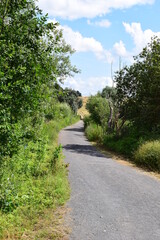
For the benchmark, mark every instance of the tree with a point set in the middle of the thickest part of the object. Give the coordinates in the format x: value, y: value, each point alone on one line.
x: 110, y: 94
x: 71, y: 97
x: 98, y: 108
x: 138, y: 88
x: 33, y: 56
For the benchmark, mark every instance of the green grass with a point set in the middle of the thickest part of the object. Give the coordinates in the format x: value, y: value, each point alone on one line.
x: 125, y: 145
x: 148, y: 155
x: 33, y: 180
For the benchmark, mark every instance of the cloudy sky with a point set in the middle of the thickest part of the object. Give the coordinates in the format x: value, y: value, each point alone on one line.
x: 106, y: 34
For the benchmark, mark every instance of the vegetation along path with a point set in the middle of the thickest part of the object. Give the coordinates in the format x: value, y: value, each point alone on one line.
x: 108, y: 200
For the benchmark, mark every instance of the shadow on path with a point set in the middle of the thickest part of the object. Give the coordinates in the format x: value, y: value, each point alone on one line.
x: 81, y: 129
x: 83, y: 149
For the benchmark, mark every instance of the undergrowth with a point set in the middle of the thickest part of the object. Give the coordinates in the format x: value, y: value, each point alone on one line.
x: 148, y: 155
x: 94, y: 132
x: 33, y: 179
x: 142, y: 148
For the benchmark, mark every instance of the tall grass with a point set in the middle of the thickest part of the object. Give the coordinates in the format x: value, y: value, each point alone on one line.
x: 148, y: 155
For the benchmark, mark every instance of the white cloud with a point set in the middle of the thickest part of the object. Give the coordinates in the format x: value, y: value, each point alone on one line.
x: 140, y: 37
x: 103, y: 23
x: 85, y: 44
x: 120, y: 49
x: 74, y: 9
x: 88, y: 86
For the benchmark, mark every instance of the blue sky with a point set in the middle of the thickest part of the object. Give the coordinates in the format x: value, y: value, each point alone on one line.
x: 104, y: 33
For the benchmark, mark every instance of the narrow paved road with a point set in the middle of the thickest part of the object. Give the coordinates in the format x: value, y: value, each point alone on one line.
x: 109, y: 201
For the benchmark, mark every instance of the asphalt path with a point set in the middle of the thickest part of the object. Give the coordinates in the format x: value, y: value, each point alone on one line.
x: 109, y: 201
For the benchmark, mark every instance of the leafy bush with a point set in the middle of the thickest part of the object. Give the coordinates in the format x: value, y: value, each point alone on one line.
x: 94, y: 132
x: 35, y: 177
x: 34, y: 160
x: 148, y: 155
x: 34, y: 57
x: 65, y: 110
x: 71, y: 97
x: 99, y: 110
x: 87, y: 120
x: 55, y: 110
x: 123, y: 145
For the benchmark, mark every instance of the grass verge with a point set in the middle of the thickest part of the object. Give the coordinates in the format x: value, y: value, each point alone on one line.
x: 34, y: 185
x: 129, y: 147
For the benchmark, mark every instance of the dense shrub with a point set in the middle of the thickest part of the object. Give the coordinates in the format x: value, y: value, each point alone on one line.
x: 87, y: 120
x: 23, y: 176
x: 71, y: 97
x: 21, y: 173
x: 98, y: 108
x: 123, y: 145
x: 130, y: 143
x: 148, y: 155
x: 35, y: 177
x: 94, y: 132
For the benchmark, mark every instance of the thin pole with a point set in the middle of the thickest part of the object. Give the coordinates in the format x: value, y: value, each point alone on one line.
x: 112, y: 74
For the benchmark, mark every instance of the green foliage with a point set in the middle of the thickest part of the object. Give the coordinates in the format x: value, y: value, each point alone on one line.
x: 18, y: 172
x: 87, y: 120
x: 124, y: 145
x: 138, y: 92
x: 56, y: 109
x: 65, y: 110
x: 148, y: 155
x: 33, y: 57
x: 133, y: 112
x: 109, y: 93
x: 94, y: 132
x: 71, y: 97
x: 131, y: 143
x: 55, y: 157
x: 35, y: 158
x: 34, y: 178
x: 99, y: 110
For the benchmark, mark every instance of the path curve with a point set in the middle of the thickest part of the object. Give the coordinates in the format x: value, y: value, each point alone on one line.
x: 109, y: 201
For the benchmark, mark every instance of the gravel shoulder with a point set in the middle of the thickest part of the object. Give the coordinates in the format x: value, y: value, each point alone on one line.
x: 109, y: 200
